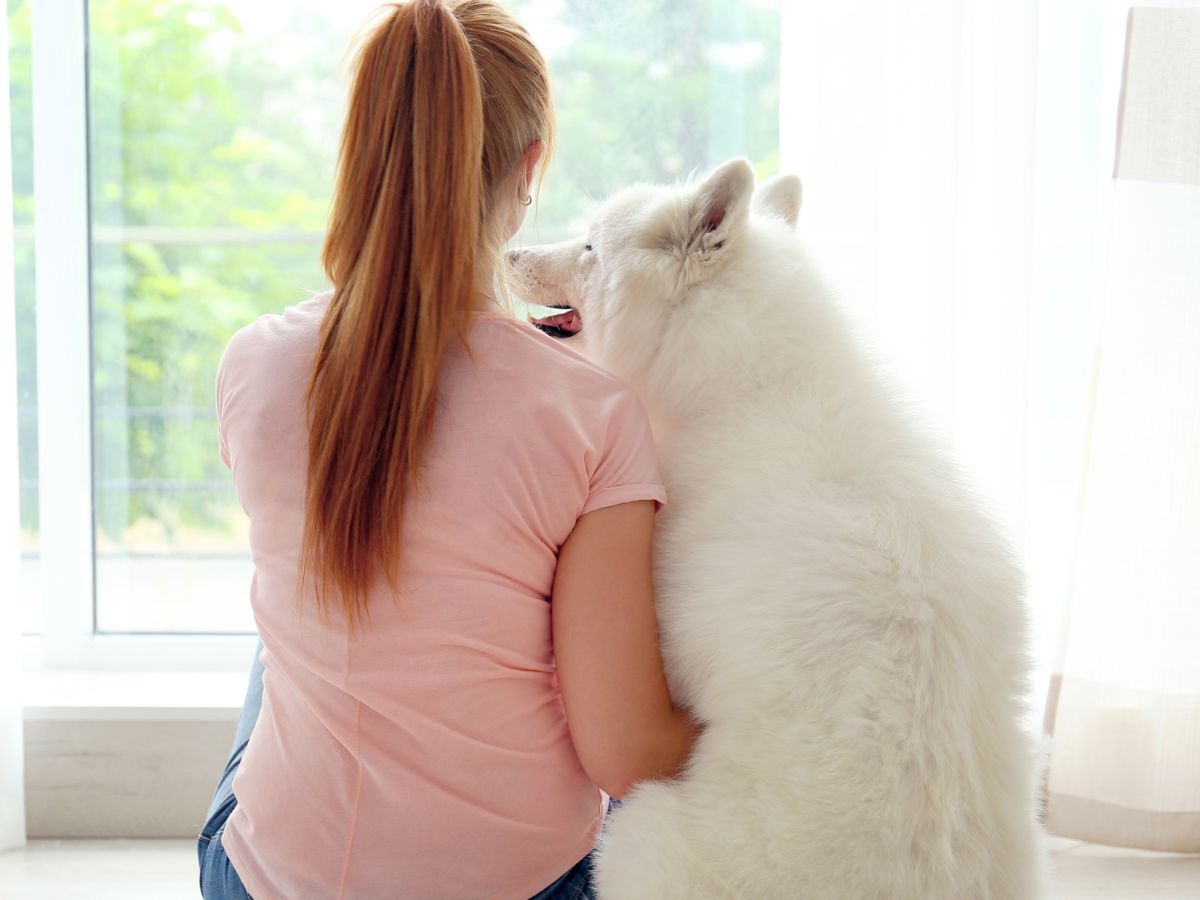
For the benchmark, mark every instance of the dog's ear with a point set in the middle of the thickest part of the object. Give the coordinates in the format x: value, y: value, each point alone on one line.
x: 779, y: 197
x: 720, y: 206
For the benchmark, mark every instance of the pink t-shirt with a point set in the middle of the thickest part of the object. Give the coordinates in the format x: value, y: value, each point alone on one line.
x: 430, y: 756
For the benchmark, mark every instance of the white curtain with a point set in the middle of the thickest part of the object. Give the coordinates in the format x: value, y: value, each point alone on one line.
x: 958, y: 157
x: 1125, y: 705
x: 12, y: 782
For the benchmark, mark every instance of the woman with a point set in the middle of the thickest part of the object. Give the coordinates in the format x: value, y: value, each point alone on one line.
x: 427, y: 478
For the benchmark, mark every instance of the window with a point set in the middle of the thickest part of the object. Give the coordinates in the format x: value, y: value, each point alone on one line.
x: 651, y: 91
x: 20, y: 98
x: 187, y: 169
x: 212, y: 132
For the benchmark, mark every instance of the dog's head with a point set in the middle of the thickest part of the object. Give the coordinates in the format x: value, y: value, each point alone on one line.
x: 649, y: 283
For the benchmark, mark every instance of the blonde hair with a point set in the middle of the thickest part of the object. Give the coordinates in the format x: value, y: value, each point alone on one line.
x: 446, y: 97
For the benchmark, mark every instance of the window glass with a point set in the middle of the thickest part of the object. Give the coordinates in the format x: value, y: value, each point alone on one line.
x: 21, y: 110
x: 654, y: 92
x: 213, y: 134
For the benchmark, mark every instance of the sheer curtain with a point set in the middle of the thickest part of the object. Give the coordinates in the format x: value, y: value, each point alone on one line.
x: 958, y: 159
x: 1125, y: 703
x: 12, y: 787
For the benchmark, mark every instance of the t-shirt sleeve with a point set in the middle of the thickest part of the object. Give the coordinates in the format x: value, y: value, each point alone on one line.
x: 222, y: 441
x: 628, y: 467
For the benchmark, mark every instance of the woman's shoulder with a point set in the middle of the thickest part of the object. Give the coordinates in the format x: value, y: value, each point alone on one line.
x: 295, y: 328
x: 553, y: 362
x: 563, y: 393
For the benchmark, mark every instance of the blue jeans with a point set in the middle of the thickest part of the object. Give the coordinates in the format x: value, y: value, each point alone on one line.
x: 220, y: 881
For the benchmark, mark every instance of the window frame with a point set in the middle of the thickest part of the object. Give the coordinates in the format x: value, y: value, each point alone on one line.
x: 64, y: 242
x: 62, y: 234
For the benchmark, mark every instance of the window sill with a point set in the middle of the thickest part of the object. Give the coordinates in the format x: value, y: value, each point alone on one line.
x: 67, y: 695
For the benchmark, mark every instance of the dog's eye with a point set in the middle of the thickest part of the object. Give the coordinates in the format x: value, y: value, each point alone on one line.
x: 587, y: 248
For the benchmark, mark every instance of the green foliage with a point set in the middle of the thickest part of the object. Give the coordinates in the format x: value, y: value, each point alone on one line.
x: 654, y: 90
x: 20, y: 17
x: 191, y: 128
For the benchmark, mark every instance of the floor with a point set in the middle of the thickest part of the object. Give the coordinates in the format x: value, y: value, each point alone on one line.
x: 166, y: 870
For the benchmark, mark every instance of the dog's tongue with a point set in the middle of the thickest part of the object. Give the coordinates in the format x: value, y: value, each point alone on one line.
x: 566, y: 321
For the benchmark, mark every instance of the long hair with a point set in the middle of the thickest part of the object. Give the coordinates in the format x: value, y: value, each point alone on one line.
x: 445, y: 98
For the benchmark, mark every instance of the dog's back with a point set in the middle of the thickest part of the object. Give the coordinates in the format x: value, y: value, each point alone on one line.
x: 833, y: 604
x: 846, y: 621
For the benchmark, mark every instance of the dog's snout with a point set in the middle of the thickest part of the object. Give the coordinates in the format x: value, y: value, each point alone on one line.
x: 513, y: 256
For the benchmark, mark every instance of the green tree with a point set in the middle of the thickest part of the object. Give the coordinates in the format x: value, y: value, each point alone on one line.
x: 191, y: 128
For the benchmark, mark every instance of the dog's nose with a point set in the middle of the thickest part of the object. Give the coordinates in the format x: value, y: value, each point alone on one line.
x: 512, y: 256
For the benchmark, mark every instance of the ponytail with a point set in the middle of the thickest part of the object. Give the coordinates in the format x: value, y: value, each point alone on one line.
x: 404, y: 233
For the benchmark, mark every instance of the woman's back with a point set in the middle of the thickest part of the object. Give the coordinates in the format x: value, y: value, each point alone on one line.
x: 427, y: 755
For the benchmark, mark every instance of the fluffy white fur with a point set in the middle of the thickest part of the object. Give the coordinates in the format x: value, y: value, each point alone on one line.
x: 833, y: 603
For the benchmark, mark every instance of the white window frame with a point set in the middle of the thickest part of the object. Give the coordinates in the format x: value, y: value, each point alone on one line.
x: 64, y: 235
x: 64, y: 411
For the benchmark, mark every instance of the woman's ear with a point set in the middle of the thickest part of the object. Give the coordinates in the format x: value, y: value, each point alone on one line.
x: 533, y: 155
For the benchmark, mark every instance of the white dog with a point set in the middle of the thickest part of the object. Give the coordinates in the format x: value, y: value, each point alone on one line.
x: 834, y: 605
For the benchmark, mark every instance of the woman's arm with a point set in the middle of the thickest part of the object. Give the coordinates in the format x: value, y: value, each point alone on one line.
x: 623, y: 723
